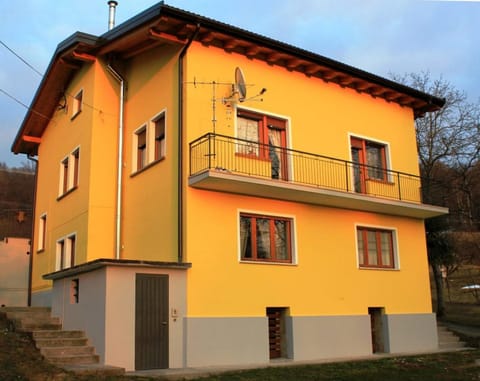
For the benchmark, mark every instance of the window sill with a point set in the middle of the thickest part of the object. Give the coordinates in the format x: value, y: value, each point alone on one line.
x: 148, y: 166
x: 378, y: 268
x: 75, y: 115
x: 267, y: 263
x: 67, y: 193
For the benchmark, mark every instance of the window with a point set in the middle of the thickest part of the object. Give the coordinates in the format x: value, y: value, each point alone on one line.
x: 265, y: 238
x: 159, y: 125
x: 372, y: 155
x: 149, y: 143
x: 42, y: 232
x: 75, y: 291
x: 77, y: 104
x: 69, y: 172
x: 369, y: 162
x: 66, y: 252
x: 375, y: 247
x: 263, y: 136
x: 141, y: 137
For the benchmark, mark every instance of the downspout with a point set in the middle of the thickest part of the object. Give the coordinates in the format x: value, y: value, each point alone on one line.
x: 180, y: 143
x: 30, y: 260
x: 118, y: 216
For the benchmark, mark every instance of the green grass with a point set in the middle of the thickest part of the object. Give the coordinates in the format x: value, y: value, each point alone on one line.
x: 445, y: 366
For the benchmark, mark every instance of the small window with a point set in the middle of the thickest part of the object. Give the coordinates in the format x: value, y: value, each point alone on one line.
x: 42, y: 232
x: 375, y: 248
x: 75, y: 291
x: 77, y: 104
x: 141, y: 137
x: 66, y: 250
x: 159, y: 125
x: 69, y: 172
x: 64, y: 175
x: 76, y: 161
x: 265, y: 238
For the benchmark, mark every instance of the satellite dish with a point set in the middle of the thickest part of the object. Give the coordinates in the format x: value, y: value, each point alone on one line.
x: 240, y: 85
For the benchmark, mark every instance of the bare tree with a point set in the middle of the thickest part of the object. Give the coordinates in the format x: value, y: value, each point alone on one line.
x: 448, y: 144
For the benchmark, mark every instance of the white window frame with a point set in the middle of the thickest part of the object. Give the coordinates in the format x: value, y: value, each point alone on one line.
x: 77, y: 104
x: 42, y: 232
x: 63, y: 249
x: 293, y: 238
x: 149, y: 128
x: 395, y: 245
x: 136, y: 134
x: 152, y: 136
x: 72, y: 172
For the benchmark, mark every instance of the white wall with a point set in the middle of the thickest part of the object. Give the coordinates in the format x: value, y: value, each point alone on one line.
x: 14, y: 271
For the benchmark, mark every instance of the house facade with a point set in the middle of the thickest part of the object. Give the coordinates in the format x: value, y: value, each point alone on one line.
x: 209, y: 196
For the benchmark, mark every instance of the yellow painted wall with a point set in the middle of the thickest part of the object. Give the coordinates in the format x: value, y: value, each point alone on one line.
x: 326, y: 280
x: 150, y: 196
x: 89, y: 210
x: 69, y: 214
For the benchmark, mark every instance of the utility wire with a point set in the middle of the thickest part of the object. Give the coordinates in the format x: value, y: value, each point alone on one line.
x: 41, y: 75
x: 23, y: 104
x: 20, y: 58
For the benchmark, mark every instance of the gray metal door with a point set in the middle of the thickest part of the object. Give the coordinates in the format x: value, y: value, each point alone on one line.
x: 151, y: 321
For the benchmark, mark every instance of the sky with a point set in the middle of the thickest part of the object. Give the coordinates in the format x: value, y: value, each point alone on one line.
x: 378, y: 36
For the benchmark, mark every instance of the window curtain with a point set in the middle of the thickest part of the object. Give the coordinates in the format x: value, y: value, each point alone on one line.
x: 245, y: 237
x: 263, y: 238
x: 274, y: 141
x: 247, y: 129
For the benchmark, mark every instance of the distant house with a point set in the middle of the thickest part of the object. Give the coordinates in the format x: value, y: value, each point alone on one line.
x: 210, y: 196
x: 14, y: 271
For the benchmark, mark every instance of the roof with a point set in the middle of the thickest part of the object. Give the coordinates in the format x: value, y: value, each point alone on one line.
x: 163, y: 24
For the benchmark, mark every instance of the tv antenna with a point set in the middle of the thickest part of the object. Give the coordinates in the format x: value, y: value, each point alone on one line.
x: 238, y: 93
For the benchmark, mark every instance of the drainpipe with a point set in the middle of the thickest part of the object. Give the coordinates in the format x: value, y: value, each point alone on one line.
x: 180, y: 142
x: 118, y: 215
x: 30, y: 260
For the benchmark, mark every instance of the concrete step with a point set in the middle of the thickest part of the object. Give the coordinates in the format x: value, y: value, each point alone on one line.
x: 447, y: 339
x: 95, y: 370
x: 75, y: 360
x: 60, y: 342
x: 49, y: 352
x: 23, y: 326
x: 67, y: 349
x: 453, y: 345
x: 56, y: 334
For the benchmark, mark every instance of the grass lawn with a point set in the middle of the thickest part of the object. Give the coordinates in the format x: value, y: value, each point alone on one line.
x: 438, y: 367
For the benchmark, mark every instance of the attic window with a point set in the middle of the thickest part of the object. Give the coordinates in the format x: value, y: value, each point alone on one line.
x: 77, y: 104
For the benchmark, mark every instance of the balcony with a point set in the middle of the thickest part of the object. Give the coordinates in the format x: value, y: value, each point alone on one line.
x: 226, y: 164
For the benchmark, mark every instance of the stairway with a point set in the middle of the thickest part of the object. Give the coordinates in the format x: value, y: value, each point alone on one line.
x: 66, y: 349
x: 447, y: 340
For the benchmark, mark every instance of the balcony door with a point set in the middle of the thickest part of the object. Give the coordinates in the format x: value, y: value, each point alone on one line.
x: 369, y: 163
x: 268, y: 135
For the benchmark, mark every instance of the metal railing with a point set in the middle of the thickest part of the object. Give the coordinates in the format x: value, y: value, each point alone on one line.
x: 247, y: 158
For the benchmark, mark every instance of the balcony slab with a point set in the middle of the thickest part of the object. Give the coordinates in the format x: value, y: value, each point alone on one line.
x: 224, y: 181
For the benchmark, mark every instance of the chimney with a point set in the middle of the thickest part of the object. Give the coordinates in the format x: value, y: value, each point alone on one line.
x: 111, y: 17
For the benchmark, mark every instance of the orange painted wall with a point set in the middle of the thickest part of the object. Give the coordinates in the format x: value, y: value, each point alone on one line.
x: 326, y: 279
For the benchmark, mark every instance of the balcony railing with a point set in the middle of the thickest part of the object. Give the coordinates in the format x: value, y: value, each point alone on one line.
x: 246, y: 158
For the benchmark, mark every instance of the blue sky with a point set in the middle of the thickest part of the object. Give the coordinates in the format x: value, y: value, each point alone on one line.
x: 379, y: 36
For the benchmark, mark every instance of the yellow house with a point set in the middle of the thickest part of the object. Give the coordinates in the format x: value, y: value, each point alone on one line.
x: 210, y: 196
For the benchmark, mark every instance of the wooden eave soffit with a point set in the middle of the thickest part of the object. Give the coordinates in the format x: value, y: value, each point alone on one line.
x: 152, y: 33
x: 83, y: 56
x: 31, y: 139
